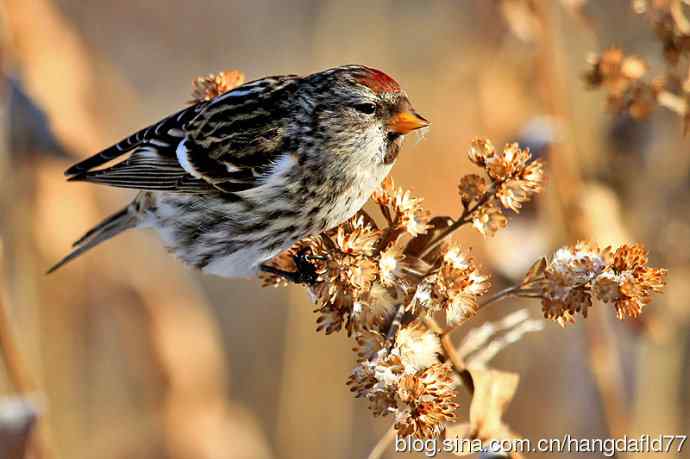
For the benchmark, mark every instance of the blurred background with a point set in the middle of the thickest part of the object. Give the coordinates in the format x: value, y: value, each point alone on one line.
x: 127, y: 354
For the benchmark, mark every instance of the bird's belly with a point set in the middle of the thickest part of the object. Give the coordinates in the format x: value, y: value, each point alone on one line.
x: 241, y: 263
x: 232, y: 238
x: 220, y: 237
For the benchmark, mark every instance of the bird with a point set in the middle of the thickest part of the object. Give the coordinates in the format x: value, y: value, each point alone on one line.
x: 230, y: 182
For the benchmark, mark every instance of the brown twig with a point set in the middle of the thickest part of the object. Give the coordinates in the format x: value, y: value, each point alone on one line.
x: 447, y: 344
x: 18, y: 375
x: 465, y: 218
x: 16, y: 372
x: 449, y: 350
x: 502, y: 294
x: 458, y: 363
x: 498, y: 296
x: 396, y: 323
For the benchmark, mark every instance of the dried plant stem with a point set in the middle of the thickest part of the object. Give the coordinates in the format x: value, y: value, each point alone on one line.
x: 514, y: 290
x: 673, y: 102
x: 563, y: 157
x: 447, y: 343
x: 173, y: 325
x: 383, y: 443
x: 16, y: 372
x: 449, y: 350
x: 465, y: 218
x: 458, y: 363
x: 396, y: 323
x: 502, y: 294
x: 19, y: 376
x: 432, y: 325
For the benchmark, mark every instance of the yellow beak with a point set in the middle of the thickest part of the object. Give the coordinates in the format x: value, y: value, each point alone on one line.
x: 407, y: 121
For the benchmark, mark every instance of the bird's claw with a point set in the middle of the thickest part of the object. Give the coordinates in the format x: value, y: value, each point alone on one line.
x: 305, y: 273
x: 306, y: 268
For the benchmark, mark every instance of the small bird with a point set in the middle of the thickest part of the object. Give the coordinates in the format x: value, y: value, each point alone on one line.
x: 231, y: 182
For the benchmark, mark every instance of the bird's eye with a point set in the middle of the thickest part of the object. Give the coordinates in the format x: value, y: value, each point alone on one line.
x: 367, y: 108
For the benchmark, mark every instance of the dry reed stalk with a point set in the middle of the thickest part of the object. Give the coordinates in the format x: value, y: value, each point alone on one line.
x: 19, y: 377
x: 178, y: 316
x: 567, y: 175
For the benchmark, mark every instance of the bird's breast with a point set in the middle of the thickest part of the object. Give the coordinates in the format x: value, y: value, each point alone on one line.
x: 344, y: 195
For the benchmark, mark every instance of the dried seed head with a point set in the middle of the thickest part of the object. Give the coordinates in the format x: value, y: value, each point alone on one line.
x: 472, y: 187
x: 489, y: 219
x: 426, y: 402
x: 480, y: 151
x: 514, y: 179
x: 628, y: 282
x: 390, y: 265
x: 418, y: 347
x: 575, y: 273
x: 401, y: 209
x: 215, y: 84
x: 454, y: 289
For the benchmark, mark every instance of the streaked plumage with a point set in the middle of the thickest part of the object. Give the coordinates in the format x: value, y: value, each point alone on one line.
x: 230, y: 182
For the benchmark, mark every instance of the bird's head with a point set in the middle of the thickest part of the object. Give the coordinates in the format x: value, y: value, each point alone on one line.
x: 357, y: 110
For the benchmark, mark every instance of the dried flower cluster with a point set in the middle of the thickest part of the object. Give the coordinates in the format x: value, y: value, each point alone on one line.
x: 212, y: 85
x: 406, y: 380
x: 624, y: 76
x: 513, y: 177
x: 366, y: 272
x: 671, y: 25
x: 627, y: 282
x: 382, y: 282
x: 567, y: 282
x: 454, y: 288
x: 385, y: 283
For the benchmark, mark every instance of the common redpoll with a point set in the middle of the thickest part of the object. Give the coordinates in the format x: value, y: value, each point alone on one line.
x: 230, y: 182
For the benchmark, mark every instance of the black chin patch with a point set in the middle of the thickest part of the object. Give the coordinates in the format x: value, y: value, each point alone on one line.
x: 393, y: 136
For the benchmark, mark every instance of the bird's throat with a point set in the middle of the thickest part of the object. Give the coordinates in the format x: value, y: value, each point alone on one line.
x: 392, y: 151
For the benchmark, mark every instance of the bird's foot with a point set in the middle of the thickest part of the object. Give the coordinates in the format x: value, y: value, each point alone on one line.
x: 305, y: 273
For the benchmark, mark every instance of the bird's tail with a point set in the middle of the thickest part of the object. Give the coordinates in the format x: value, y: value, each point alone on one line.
x: 115, y: 224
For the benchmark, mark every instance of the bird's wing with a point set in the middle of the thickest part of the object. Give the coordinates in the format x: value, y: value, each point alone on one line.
x: 227, y: 143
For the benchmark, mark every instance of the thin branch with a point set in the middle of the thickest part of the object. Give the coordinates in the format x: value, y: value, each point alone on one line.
x: 458, y: 362
x: 19, y: 377
x: 16, y: 372
x: 396, y: 323
x: 501, y: 294
x: 498, y: 296
x: 465, y: 218
x: 453, y: 356
x: 432, y: 325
